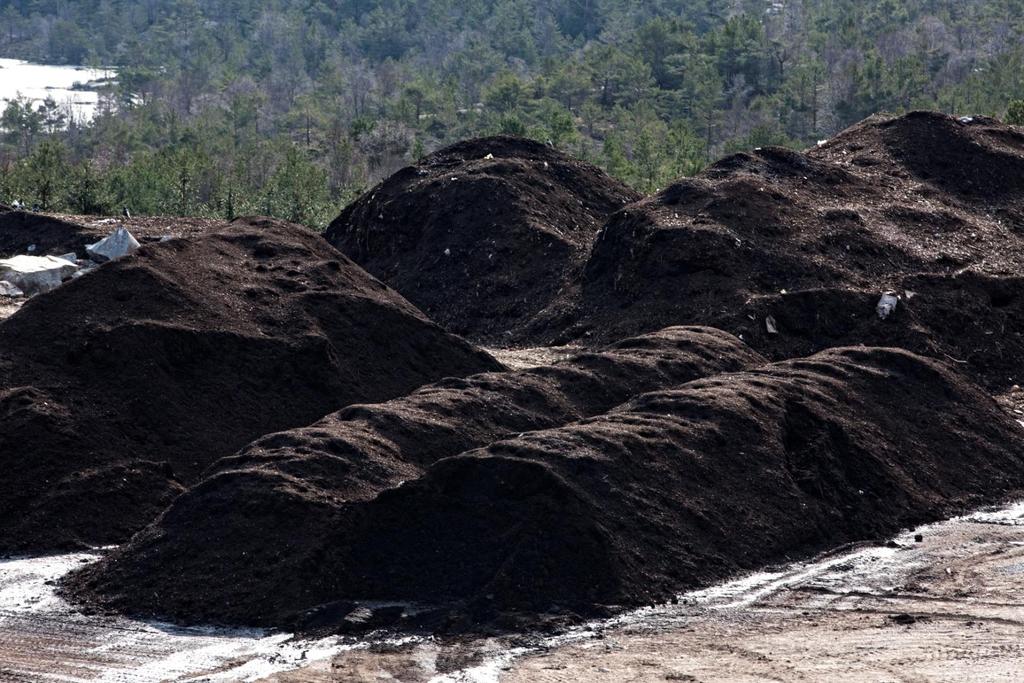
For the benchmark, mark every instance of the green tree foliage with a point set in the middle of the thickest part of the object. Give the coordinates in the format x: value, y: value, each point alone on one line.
x: 293, y: 107
x: 1015, y: 113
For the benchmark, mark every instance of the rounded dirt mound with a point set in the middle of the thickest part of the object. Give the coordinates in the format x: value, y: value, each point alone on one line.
x: 793, y: 251
x: 58, y: 234
x: 22, y: 232
x: 247, y: 544
x: 673, y: 490
x: 683, y: 487
x: 119, y: 388
x: 482, y: 235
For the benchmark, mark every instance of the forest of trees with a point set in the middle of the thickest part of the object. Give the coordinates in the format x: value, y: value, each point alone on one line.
x: 293, y: 107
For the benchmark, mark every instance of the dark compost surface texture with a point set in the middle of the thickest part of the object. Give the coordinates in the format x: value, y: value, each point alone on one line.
x: 119, y: 388
x: 249, y: 543
x: 672, y: 490
x: 926, y: 206
x: 482, y: 235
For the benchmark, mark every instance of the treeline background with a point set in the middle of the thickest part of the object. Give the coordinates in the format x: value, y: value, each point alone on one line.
x: 294, y: 107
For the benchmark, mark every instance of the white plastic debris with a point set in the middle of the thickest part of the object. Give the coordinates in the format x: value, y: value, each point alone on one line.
x: 770, y: 325
x: 115, y: 245
x: 35, y: 274
x: 9, y: 290
x: 966, y: 119
x: 489, y: 156
x: 886, y: 305
x: 447, y: 252
x: 822, y: 143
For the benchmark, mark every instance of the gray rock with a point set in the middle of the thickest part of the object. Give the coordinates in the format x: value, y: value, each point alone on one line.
x: 9, y: 290
x: 35, y: 274
x: 115, y: 245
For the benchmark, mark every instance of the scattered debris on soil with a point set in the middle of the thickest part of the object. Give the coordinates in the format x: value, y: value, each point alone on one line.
x: 921, y: 206
x: 827, y: 620
x: 249, y: 543
x: 675, y: 489
x: 9, y: 290
x: 484, y: 234
x: 23, y: 232
x: 119, y: 388
x: 57, y: 234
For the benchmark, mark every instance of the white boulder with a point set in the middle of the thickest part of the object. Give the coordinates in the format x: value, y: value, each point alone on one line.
x: 35, y: 274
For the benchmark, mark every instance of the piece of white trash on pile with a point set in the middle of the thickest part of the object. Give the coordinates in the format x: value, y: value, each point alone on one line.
x: 886, y: 305
x: 115, y: 245
x: 770, y: 325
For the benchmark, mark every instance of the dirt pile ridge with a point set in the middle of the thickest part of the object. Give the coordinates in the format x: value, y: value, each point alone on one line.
x: 482, y: 235
x: 248, y: 543
x: 59, y: 234
x: 675, y: 489
x: 118, y: 389
x: 923, y: 205
x: 20, y: 230
x: 682, y: 487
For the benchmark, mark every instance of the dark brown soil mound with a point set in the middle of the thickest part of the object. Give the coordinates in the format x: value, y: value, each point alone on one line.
x: 247, y: 544
x: 683, y: 487
x: 58, y: 234
x: 20, y: 230
x: 484, y: 234
x: 120, y: 388
x: 924, y: 205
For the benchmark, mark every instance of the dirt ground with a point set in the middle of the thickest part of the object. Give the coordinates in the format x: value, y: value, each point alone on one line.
x: 9, y: 306
x: 945, y: 609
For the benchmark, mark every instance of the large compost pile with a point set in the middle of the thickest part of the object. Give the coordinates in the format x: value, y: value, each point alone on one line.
x: 924, y: 206
x: 858, y: 303
x: 248, y: 543
x: 674, y: 489
x: 482, y: 235
x: 119, y: 388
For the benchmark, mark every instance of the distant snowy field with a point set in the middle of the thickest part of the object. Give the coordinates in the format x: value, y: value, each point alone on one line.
x: 39, y: 81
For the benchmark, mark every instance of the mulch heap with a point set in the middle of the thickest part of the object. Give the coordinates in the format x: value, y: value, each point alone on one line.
x: 673, y: 490
x: 118, y: 389
x: 925, y: 206
x: 482, y: 235
x: 22, y: 232
x: 248, y: 544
